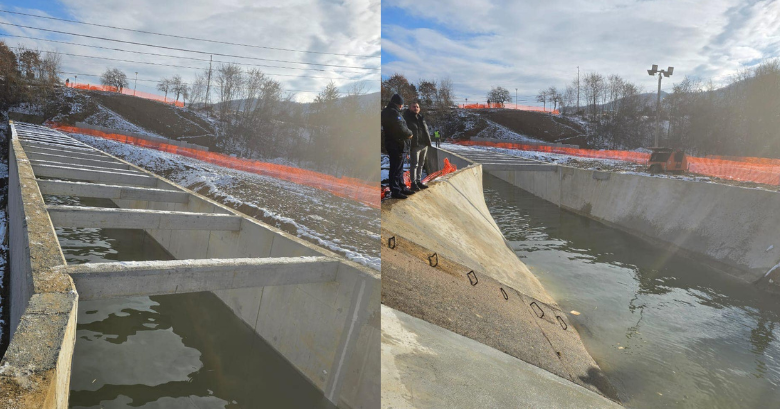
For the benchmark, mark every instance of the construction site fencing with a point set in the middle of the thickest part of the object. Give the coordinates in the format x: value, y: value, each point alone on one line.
x: 626, y: 156
x: 125, y: 91
x: 346, y: 187
x: 493, y: 105
x: 745, y: 169
x: 448, y: 168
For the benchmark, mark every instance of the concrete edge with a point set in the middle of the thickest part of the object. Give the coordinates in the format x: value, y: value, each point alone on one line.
x: 35, y: 370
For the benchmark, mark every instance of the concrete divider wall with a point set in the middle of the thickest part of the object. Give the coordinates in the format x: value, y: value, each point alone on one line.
x: 35, y: 370
x: 733, y: 228
x: 330, y: 332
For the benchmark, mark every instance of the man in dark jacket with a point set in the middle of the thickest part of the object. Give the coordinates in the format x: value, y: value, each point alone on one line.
x: 421, y: 140
x: 396, y: 136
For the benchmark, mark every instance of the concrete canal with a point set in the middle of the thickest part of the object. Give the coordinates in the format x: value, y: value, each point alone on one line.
x: 667, y: 331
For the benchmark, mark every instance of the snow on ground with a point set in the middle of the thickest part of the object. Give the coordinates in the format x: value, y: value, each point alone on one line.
x: 611, y: 165
x: 341, y: 225
x: 491, y: 130
x: 110, y: 119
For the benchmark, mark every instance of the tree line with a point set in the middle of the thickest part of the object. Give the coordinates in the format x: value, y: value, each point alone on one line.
x: 739, y: 118
x: 27, y: 75
x: 435, y: 97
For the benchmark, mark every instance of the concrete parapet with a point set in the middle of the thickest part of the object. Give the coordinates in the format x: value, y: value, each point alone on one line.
x: 35, y: 370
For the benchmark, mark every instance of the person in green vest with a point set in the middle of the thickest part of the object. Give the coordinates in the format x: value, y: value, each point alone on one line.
x: 437, y: 137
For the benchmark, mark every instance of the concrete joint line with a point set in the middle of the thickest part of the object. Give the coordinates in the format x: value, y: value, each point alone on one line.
x: 348, y: 342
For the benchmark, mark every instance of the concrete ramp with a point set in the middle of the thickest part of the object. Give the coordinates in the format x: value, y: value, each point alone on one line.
x: 451, y: 218
x: 445, y: 262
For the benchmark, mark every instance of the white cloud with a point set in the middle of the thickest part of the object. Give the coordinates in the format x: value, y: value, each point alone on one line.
x: 531, y: 46
x: 347, y: 27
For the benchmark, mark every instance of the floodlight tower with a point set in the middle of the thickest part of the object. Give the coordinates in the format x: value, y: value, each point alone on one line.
x: 662, y: 73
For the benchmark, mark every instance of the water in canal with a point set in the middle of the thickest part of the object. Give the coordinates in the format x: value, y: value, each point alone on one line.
x: 175, y: 351
x: 668, y: 331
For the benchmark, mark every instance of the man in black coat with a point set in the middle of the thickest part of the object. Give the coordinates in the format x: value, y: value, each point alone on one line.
x: 421, y: 140
x: 396, y: 136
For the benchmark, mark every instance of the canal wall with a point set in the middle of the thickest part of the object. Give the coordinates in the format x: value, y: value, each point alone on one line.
x: 320, y: 312
x: 35, y: 370
x: 329, y: 331
x: 474, y: 286
x: 731, y: 228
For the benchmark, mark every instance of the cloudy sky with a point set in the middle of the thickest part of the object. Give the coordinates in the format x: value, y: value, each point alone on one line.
x: 350, y: 27
x: 532, y: 45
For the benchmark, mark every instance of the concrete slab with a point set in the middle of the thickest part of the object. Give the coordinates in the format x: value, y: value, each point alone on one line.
x: 137, y: 278
x: 111, y: 218
x: 425, y: 366
x: 93, y: 175
x: 33, y: 155
x: 80, y: 189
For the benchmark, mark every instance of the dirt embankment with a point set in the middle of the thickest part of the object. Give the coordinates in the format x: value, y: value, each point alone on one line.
x: 546, y: 127
x: 162, y: 119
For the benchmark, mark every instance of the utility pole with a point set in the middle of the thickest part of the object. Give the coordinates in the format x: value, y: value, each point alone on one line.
x: 208, y: 82
x: 135, y: 83
x: 661, y: 73
x: 515, y: 98
x: 578, y: 89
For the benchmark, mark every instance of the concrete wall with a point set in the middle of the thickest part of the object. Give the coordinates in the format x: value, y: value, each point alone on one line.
x: 35, y: 370
x: 734, y: 229
x: 451, y: 218
x: 330, y: 331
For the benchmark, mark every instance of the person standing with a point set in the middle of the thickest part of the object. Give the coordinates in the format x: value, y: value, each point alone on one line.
x: 437, y: 137
x: 421, y: 140
x: 397, y: 133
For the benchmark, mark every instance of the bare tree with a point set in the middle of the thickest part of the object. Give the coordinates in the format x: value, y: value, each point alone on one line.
x: 499, y: 95
x: 427, y: 93
x: 229, y: 80
x: 542, y: 97
x: 114, y: 78
x: 398, y: 84
x: 164, y: 86
x: 177, y: 86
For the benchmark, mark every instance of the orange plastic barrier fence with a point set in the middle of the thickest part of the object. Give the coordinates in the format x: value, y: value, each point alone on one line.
x: 510, y: 106
x: 747, y: 159
x: 735, y: 170
x: 346, y: 187
x: 757, y: 170
x: 126, y: 91
x: 628, y: 156
x: 448, y: 168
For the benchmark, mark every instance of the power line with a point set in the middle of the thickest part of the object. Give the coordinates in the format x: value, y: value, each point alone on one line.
x: 174, y: 66
x: 186, y: 50
x: 168, y: 55
x: 187, y: 38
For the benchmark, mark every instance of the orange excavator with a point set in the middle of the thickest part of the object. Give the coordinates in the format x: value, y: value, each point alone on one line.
x: 669, y: 160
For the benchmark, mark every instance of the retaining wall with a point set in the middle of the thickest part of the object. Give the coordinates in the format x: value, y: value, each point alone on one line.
x: 35, y: 370
x: 330, y: 332
x: 732, y: 228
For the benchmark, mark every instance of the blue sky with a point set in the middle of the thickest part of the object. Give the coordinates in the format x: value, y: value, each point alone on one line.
x: 346, y: 27
x: 534, y: 45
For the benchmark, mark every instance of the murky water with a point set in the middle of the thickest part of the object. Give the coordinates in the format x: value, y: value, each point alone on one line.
x: 668, y: 331
x: 174, y: 351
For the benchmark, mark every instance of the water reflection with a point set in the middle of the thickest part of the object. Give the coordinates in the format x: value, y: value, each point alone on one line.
x: 174, y: 351
x: 669, y: 331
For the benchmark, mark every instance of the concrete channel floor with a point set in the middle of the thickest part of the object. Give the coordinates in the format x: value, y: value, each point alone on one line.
x: 426, y: 366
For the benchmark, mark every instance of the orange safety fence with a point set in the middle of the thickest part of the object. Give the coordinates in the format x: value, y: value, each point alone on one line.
x: 126, y: 91
x: 510, y: 106
x: 448, y: 168
x: 346, y: 187
x: 627, y: 156
x: 756, y: 170
x: 748, y: 159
